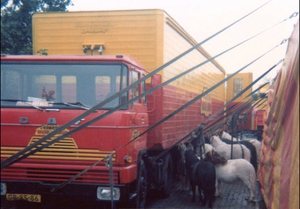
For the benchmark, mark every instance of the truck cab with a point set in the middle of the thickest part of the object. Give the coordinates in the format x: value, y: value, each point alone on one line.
x: 40, y: 94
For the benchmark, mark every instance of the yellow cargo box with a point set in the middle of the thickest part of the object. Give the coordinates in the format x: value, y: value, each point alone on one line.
x: 236, y: 84
x: 152, y: 37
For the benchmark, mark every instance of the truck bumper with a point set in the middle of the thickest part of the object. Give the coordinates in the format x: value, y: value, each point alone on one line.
x: 16, y: 191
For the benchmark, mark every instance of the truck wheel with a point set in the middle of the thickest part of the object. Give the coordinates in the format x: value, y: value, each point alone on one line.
x: 141, y: 186
x: 167, y: 177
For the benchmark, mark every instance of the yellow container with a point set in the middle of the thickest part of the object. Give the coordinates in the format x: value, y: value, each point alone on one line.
x: 152, y: 37
x: 236, y: 84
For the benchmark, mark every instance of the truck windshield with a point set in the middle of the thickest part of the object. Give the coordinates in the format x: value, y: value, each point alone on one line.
x: 62, y: 85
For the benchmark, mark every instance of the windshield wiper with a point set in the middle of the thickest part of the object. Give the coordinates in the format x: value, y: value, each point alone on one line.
x: 20, y: 100
x: 75, y: 104
x: 71, y: 104
x: 13, y: 100
x: 81, y: 104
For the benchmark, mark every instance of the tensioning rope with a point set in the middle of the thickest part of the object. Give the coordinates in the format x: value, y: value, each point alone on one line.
x: 16, y: 157
x: 229, y: 115
x: 166, y: 118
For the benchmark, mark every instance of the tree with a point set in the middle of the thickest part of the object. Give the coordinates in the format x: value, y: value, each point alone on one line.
x: 16, y: 22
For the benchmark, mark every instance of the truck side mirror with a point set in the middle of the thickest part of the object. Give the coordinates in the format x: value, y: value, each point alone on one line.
x: 155, y: 80
x: 151, y: 98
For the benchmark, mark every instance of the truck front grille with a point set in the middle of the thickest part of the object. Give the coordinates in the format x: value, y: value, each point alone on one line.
x: 59, y: 173
x: 60, y: 153
x: 55, y: 164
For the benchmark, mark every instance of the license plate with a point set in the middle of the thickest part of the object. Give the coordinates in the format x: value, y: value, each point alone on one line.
x: 26, y: 197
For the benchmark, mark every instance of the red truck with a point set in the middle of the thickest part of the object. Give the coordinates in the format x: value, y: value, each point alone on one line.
x: 39, y: 94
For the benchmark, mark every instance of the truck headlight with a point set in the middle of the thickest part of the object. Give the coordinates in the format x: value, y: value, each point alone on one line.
x: 103, y: 193
x: 3, y: 188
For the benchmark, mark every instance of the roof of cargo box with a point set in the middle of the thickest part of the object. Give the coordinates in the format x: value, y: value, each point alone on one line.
x: 69, y: 58
x: 172, y: 22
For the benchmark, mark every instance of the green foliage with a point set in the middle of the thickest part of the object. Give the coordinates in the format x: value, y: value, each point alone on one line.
x: 16, y: 22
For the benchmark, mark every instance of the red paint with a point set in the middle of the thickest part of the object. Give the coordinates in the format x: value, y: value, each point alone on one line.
x: 104, y: 136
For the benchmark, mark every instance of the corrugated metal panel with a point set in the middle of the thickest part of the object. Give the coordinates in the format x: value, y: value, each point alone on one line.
x: 150, y: 36
x: 206, y: 76
x: 132, y: 33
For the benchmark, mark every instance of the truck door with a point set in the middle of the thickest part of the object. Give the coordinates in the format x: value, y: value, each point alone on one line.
x: 138, y: 106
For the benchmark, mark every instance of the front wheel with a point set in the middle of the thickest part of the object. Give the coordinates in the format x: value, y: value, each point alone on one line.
x: 141, y: 186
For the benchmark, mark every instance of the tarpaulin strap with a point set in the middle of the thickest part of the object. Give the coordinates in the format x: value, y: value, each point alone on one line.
x: 81, y: 173
x: 258, y: 100
x: 207, y: 128
x: 257, y: 89
x: 231, y: 112
x: 92, y: 166
x: 111, y: 180
x: 258, y: 103
x: 213, y: 118
x: 208, y: 125
x: 243, y: 155
x: 228, y: 112
x: 96, y: 107
x: 261, y: 102
x: 197, y: 98
x: 263, y: 107
x: 234, y: 124
x: 154, y: 159
x: 198, y: 140
x: 33, y: 148
x: 155, y: 125
x: 249, y: 86
x: 232, y: 132
x: 191, y: 102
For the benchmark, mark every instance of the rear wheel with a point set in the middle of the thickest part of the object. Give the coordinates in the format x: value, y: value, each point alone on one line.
x: 167, y: 177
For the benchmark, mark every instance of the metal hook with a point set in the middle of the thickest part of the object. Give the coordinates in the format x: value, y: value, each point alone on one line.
x: 280, y: 62
x: 283, y: 41
x: 293, y: 15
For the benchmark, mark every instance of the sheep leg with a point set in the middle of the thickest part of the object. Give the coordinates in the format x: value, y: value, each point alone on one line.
x: 200, y: 195
x: 205, y: 197
x: 250, y: 189
x: 218, y: 187
x: 194, y: 191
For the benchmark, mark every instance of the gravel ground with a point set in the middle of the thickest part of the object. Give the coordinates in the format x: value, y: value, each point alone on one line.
x: 232, y: 197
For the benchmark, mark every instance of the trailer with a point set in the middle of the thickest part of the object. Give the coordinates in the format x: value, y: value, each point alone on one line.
x: 246, y: 117
x: 91, y: 56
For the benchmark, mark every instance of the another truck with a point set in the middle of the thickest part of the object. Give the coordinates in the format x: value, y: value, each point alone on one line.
x: 80, y: 59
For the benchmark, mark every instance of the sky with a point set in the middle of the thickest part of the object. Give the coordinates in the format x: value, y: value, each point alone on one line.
x: 203, y: 18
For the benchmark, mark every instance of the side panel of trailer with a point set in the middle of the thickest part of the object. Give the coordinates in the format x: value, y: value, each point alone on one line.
x: 234, y: 86
x: 184, y: 89
x: 152, y: 37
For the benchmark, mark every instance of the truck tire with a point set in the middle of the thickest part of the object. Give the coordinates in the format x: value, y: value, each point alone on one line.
x: 141, y: 186
x: 167, y: 177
